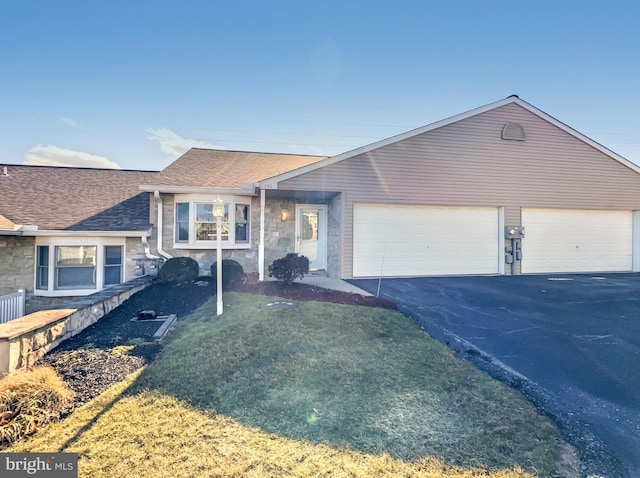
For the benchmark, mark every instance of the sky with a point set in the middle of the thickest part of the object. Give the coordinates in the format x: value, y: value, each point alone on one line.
x: 133, y: 84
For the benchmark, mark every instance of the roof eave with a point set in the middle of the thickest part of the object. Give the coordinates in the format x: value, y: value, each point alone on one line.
x: 245, y: 190
x: 568, y: 129
x: 67, y: 233
x: 272, y: 183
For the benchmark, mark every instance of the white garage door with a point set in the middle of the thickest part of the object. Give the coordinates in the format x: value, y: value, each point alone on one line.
x: 563, y: 240
x: 396, y: 241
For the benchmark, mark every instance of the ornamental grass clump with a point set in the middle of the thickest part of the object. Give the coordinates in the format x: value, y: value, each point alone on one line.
x: 29, y: 399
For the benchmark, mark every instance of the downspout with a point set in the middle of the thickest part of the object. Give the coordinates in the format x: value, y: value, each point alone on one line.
x: 261, y: 243
x: 161, y: 251
x: 147, y: 249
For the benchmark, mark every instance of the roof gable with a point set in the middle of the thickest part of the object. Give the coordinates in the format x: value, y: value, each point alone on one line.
x: 74, y: 199
x: 6, y: 224
x: 272, y: 182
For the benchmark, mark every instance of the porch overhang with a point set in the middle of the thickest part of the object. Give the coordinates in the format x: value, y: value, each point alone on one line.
x: 301, y: 196
x: 10, y: 232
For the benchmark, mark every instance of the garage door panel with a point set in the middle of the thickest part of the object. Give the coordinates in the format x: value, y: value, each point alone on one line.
x: 563, y: 240
x: 416, y: 240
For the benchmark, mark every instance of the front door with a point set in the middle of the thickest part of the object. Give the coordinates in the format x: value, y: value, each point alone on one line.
x: 311, y: 234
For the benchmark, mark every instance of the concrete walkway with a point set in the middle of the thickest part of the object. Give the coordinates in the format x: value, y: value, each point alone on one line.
x: 319, y: 279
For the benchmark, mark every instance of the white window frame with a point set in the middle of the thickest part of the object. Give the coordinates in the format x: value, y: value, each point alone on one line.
x: 231, y: 202
x: 98, y: 243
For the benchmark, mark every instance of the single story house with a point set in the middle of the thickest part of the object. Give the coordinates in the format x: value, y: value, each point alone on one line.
x: 502, y: 189
x: 71, y: 231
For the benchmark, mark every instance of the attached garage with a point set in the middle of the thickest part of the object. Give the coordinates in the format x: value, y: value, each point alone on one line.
x: 401, y: 240
x: 435, y: 201
x: 572, y: 240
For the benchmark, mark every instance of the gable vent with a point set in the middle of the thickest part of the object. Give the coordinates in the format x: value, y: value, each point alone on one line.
x: 513, y: 131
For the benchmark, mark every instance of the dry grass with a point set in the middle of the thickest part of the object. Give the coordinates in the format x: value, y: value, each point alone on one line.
x: 151, y: 435
x: 29, y: 399
x: 316, y: 390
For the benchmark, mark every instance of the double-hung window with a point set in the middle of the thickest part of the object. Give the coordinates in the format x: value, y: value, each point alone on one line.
x: 195, y: 225
x: 74, y: 267
x: 112, y: 265
x: 42, y: 272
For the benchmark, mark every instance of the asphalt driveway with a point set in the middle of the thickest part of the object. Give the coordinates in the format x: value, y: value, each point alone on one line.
x: 570, y: 343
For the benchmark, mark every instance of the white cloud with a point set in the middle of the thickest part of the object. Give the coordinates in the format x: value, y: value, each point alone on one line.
x: 174, y: 144
x: 55, y: 156
x: 68, y: 121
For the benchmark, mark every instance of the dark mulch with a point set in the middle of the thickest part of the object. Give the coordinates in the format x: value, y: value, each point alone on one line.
x: 109, y: 350
x: 298, y: 291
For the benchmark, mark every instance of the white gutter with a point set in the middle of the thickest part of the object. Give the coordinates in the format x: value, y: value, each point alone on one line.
x: 245, y: 190
x: 161, y: 251
x: 59, y: 233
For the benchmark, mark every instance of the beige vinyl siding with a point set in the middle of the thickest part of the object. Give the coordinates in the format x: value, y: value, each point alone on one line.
x: 468, y: 164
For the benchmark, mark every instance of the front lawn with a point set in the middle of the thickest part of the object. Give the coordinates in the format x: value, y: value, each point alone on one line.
x: 315, y: 389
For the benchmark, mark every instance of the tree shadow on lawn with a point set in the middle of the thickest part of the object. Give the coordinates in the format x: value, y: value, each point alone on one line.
x: 365, y: 378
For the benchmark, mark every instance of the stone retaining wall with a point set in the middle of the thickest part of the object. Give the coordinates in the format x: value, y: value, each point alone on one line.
x: 25, y: 340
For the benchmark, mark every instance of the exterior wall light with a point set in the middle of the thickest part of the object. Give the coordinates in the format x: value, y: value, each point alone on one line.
x: 284, y: 210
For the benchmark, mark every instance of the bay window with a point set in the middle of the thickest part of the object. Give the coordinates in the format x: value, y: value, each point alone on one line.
x: 195, y: 225
x: 206, y: 222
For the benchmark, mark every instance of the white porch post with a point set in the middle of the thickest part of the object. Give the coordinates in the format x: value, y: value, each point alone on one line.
x: 261, y: 243
x: 218, y: 213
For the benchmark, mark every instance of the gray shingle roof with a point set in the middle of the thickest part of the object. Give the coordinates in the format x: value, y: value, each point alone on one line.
x: 228, y: 169
x: 75, y: 199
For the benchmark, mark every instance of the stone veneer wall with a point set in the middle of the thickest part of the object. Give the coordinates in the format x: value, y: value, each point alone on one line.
x: 334, y: 237
x: 133, y: 249
x: 25, y: 340
x: 279, y: 237
x: 16, y: 263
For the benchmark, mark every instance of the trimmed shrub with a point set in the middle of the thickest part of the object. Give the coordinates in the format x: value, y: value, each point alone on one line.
x: 178, y: 270
x: 232, y: 272
x: 29, y: 399
x: 289, y: 268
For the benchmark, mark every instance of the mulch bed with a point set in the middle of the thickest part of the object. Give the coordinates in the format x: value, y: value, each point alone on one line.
x: 109, y: 350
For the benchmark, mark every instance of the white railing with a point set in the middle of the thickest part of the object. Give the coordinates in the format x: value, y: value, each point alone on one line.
x: 12, y: 306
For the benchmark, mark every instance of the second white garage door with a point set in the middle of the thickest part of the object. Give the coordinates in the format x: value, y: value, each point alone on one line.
x: 567, y: 240
x: 397, y: 241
